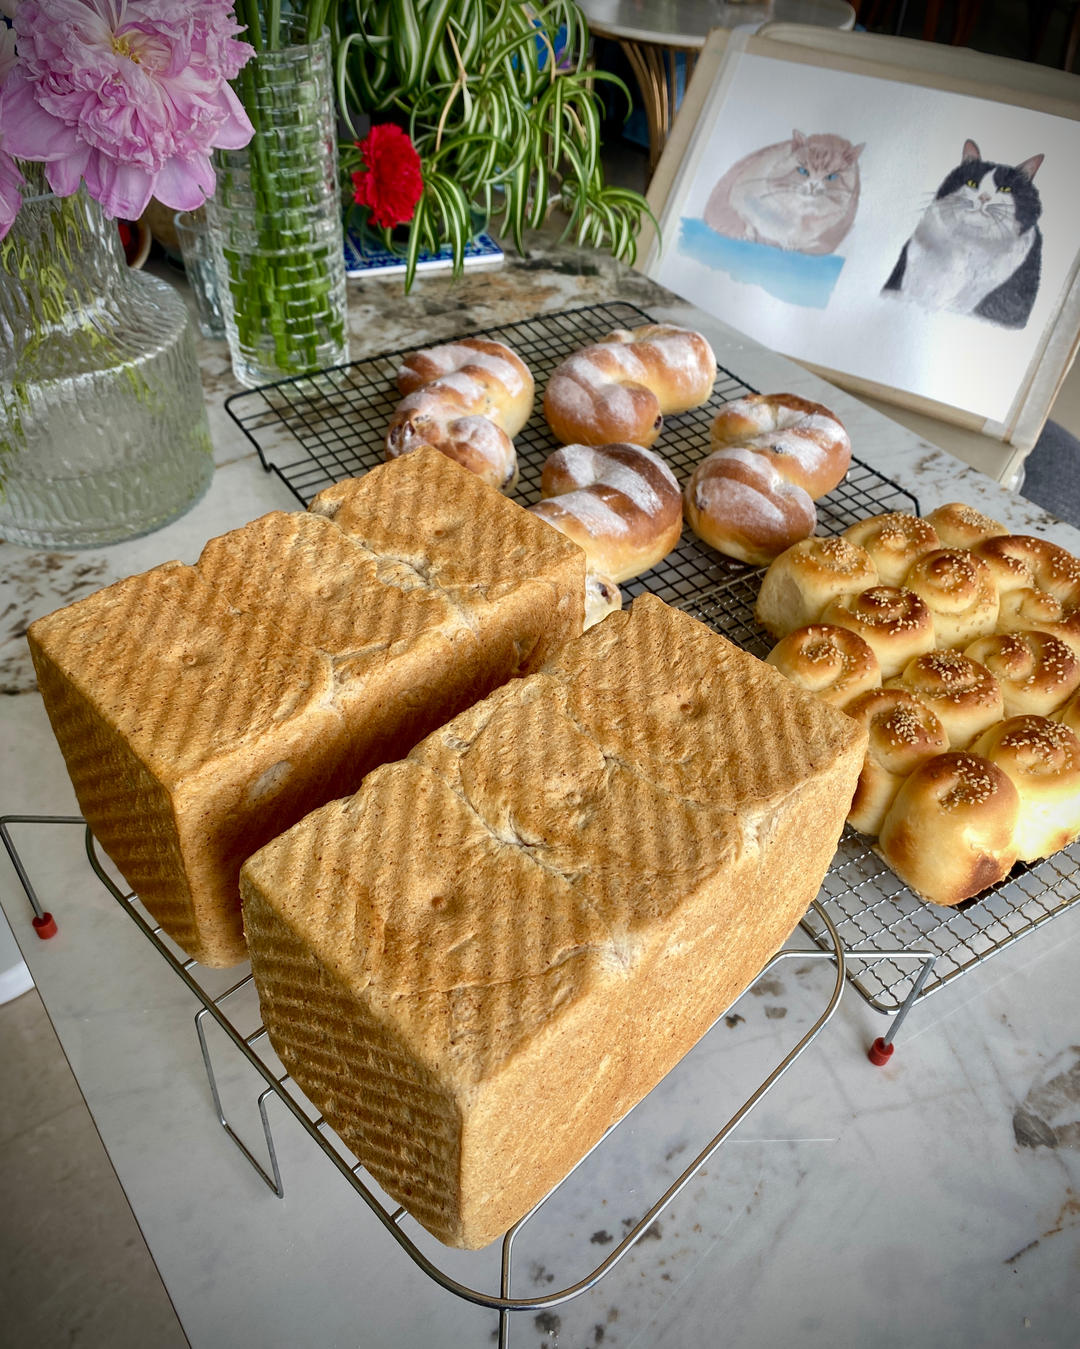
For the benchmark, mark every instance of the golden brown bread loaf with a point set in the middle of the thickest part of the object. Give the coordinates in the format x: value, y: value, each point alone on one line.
x: 203, y: 709
x: 601, y: 857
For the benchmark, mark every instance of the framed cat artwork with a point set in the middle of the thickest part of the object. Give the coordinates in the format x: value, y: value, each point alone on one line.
x: 897, y: 216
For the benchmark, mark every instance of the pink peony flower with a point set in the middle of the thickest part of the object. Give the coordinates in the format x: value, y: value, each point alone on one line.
x: 11, y: 180
x: 129, y: 95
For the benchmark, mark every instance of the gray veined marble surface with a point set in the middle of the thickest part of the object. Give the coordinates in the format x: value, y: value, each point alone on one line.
x: 933, y: 1202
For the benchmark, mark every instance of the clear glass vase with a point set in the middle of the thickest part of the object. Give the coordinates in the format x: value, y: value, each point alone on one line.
x: 103, y: 428
x: 275, y: 220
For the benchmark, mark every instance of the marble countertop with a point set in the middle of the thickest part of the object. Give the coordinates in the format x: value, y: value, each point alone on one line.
x: 935, y: 1201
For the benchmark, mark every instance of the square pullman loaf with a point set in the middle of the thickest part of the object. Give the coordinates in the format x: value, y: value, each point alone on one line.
x: 203, y: 709
x: 484, y: 958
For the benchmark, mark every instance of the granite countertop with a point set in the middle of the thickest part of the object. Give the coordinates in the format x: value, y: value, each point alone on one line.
x: 934, y: 1201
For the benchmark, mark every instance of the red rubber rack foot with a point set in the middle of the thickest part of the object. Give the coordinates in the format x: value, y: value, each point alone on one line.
x: 879, y: 1052
x: 45, y: 926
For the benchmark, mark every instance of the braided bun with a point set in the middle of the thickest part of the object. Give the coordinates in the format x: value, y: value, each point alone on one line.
x: 621, y: 388
x: 902, y: 734
x: 962, y: 694
x: 895, y: 622
x: 806, y: 577
x: 805, y: 442
x: 1024, y: 562
x: 1042, y: 760
x: 620, y: 503
x: 739, y: 504
x: 951, y: 831
x: 467, y: 399
x: 833, y: 663
x: 894, y: 541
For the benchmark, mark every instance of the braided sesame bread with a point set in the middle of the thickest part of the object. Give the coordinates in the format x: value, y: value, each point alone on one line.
x: 1036, y: 671
x: 964, y: 695
x: 895, y: 622
x: 467, y: 399
x: 895, y: 542
x: 1042, y: 760
x: 959, y: 591
x: 622, y: 388
x: 902, y: 734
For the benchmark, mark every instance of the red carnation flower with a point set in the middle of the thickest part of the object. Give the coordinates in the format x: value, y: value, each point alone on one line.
x: 390, y: 183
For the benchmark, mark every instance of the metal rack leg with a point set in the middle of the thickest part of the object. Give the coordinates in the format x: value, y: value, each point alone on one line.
x: 273, y: 1181
x: 43, y: 921
x: 881, y: 1051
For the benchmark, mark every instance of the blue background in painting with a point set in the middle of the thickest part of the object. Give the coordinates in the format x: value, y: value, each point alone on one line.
x: 797, y: 278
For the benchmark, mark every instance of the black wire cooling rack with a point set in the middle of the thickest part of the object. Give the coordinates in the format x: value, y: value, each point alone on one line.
x: 317, y: 429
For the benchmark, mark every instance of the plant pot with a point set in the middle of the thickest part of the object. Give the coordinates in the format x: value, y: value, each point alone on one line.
x: 275, y: 221
x: 103, y: 428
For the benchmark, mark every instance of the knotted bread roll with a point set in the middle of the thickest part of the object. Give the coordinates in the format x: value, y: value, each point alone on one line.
x: 468, y: 399
x: 805, y: 442
x: 739, y: 503
x: 622, y: 388
x: 620, y: 503
x: 833, y: 663
x: 951, y: 830
x: 1025, y: 562
x: 1041, y: 758
x: 806, y: 577
x: 895, y: 622
x: 1037, y: 672
x: 964, y: 695
x: 894, y: 541
x: 903, y: 733
x: 962, y: 526
x: 959, y: 592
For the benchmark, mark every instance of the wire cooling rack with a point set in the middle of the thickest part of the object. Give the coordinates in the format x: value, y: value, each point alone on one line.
x: 315, y: 430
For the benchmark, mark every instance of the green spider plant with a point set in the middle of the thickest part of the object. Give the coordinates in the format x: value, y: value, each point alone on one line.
x: 502, y: 109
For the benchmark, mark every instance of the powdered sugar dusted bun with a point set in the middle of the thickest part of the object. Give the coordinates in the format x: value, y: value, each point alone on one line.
x: 1042, y: 759
x: 961, y: 526
x: 894, y: 621
x: 621, y: 503
x: 805, y: 442
x: 895, y: 541
x: 951, y: 830
x: 602, y: 597
x: 467, y: 399
x: 959, y: 592
x: 737, y: 503
x: 806, y: 577
x: 620, y: 389
x: 833, y: 663
x: 902, y: 734
x: 1036, y: 672
x: 964, y: 695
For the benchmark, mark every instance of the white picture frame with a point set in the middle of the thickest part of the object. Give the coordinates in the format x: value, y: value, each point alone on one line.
x: 908, y: 112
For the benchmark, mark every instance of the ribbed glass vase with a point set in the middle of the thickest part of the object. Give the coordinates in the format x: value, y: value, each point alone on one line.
x: 103, y: 428
x: 275, y: 219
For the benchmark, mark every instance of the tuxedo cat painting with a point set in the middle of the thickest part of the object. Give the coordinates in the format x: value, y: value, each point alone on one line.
x: 977, y: 248
x: 800, y: 194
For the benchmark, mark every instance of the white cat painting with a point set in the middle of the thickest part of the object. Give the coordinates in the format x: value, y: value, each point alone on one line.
x: 977, y: 248
x: 800, y: 194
